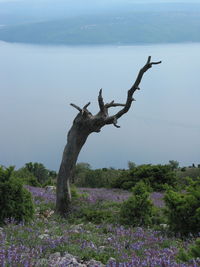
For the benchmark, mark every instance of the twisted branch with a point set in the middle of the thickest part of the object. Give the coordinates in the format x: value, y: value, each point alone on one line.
x: 132, y: 90
x: 102, y: 118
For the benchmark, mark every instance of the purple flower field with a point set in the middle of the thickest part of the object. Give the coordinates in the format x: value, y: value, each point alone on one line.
x: 46, y: 240
x: 117, y: 195
x: 95, y: 194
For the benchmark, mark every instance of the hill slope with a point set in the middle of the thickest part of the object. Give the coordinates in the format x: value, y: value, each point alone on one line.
x: 162, y: 24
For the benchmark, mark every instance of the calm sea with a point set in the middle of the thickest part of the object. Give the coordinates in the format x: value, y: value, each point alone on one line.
x: 37, y: 84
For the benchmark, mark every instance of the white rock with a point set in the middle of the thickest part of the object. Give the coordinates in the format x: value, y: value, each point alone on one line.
x: 112, y: 260
x: 1, y: 230
x: 44, y: 236
x: 50, y: 188
x: 164, y: 225
x: 102, y: 248
x: 94, y: 263
x: 41, y: 262
x: 54, y: 255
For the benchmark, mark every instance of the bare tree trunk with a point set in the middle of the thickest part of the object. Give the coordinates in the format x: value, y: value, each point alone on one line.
x: 84, y: 124
x: 75, y: 140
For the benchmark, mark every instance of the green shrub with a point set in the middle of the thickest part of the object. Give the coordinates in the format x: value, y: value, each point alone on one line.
x: 26, y: 177
x: 84, y: 176
x: 138, y: 209
x: 183, y: 210
x: 39, y: 171
x: 15, y: 200
x: 49, y: 182
x: 127, y: 185
x: 74, y: 192
x: 95, y: 212
x: 156, y: 176
x: 96, y: 216
x: 192, y: 253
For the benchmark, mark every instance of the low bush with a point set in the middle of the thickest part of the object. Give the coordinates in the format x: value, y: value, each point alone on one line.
x: 138, y: 209
x: 192, y: 253
x: 183, y: 210
x: 15, y: 201
x: 156, y: 176
x: 25, y: 177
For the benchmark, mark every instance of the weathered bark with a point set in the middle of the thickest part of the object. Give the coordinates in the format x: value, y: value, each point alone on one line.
x: 84, y: 124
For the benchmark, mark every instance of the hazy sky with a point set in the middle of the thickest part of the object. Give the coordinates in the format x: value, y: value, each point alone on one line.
x: 39, y: 83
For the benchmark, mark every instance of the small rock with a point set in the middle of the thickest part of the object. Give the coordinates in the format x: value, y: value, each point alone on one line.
x: 50, y: 188
x: 1, y: 231
x: 77, y: 228
x: 47, y: 213
x: 54, y: 255
x: 102, y: 248
x: 76, y: 231
x: 41, y: 262
x: 111, y: 260
x: 94, y: 263
x: 44, y: 236
x: 164, y: 225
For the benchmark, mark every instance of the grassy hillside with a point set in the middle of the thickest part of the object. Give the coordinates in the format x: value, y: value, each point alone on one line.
x: 52, y: 241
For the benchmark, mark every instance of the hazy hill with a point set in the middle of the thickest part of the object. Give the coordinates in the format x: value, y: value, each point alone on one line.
x: 120, y: 23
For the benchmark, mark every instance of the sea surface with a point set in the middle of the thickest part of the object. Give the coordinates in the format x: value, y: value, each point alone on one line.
x: 38, y: 83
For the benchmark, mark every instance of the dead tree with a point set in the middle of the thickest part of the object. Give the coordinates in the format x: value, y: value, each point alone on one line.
x: 83, y: 125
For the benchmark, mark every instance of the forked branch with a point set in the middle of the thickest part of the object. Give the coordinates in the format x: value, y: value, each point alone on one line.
x: 102, y: 118
x: 131, y: 91
x: 82, y: 110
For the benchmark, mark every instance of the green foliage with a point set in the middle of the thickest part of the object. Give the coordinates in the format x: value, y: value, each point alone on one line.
x: 190, y: 172
x: 174, y: 164
x: 26, y: 177
x: 15, y: 201
x: 38, y: 170
x: 156, y: 176
x: 194, y: 250
x: 5, y: 173
x: 74, y: 192
x: 96, y: 212
x: 84, y: 176
x: 50, y: 181
x: 183, y: 209
x: 192, y: 253
x: 42, y: 175
x: 35, y: 174
x: 138, y: 209
x: 96, y: 216
x: 131, y: 165
x: 184, y: 174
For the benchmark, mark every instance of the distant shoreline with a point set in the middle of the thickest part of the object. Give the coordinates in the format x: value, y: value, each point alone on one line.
x: 97, y: 45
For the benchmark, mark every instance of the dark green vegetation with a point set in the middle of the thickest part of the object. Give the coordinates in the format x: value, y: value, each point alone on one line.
x: 138, y: 209
x: 103, y: 223
x: 192, y: 252
x: 156, y: 176
x: 15, y: 201
x: 130, y: 24
x: 35, y: 174
x: 183, y: 209
x: 181, y: 195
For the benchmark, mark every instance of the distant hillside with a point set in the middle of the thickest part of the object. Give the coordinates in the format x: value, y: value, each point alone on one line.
x: 118, y: 28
